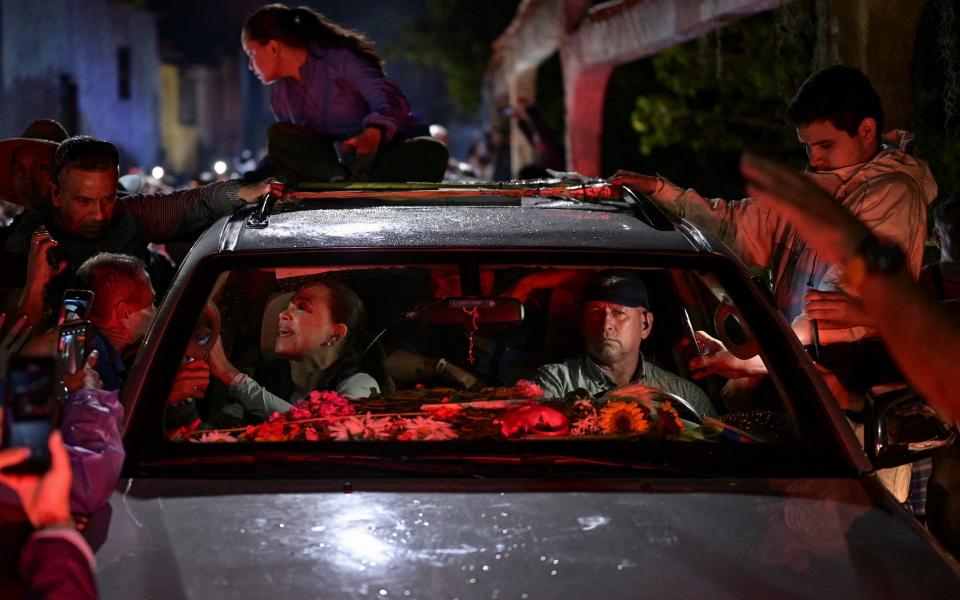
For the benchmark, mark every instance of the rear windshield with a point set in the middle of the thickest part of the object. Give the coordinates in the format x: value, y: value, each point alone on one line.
x: 442, y: 352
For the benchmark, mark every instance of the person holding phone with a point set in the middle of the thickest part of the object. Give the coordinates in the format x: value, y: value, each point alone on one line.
x: 839, y: 121
x: 121, y: 312
x: 86, y: 217
x: 55, y: 561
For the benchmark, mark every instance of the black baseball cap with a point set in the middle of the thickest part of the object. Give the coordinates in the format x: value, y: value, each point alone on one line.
x: 618, y: 286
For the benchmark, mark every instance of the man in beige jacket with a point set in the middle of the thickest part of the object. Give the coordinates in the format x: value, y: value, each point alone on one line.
x: 838, y: 117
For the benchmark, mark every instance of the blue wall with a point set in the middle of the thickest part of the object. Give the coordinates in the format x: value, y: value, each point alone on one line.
x: 41, y: 42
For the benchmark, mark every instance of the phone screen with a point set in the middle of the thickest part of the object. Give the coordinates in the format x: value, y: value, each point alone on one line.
x: 30, y: 410
x: 76, y: 305
x: 73, y: 346
x: 688, y: 326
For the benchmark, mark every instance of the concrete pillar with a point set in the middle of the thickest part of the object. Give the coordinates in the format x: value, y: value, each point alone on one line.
x: 521, y: 85
x: 584, y: 93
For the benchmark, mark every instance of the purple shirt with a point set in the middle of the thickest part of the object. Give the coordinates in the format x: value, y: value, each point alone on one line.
x: 342, y: 94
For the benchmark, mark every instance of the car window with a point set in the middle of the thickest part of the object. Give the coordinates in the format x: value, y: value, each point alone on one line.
x: 467, y: 351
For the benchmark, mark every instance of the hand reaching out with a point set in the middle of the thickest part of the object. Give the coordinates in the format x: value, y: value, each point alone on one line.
x: 192, y: 381
x: 829, y: 228
x: 835, y: 310
x: 645, y: 184
x: 717, y: 360
x: 13, y: 341
x: 86, y: 378
x: 46, y: 497
x: 40, y: 271
x: 251, y: 193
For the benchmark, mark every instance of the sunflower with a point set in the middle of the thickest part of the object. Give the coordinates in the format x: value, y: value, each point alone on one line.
x: 623, y: 418
x: 668, y: 421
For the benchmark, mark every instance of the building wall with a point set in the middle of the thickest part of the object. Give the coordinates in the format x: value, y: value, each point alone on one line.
x: 219, y: 111
x: 179, y: 139
x: 48, y: 48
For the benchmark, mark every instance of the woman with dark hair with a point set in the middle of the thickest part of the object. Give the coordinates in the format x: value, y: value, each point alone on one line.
x: 340, y: 117
x: 320, y: 341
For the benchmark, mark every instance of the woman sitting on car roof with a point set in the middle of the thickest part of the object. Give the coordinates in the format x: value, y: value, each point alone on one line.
x: 340, y: 117
x: 320, y: 344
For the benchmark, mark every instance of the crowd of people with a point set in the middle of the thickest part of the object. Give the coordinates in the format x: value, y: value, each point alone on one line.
x: 843, y: 243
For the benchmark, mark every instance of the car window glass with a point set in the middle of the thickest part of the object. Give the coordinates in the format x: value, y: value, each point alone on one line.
x: 437, y: 352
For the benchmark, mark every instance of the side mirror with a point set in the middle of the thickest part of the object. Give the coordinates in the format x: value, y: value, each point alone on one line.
x: 901, y: 428
x: 734, y: 333
x: 481, y: 311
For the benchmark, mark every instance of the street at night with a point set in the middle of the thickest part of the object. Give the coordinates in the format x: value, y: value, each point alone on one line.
x: 454, y: 299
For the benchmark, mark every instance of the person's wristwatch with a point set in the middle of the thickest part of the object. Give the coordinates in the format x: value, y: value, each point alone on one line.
x: 872, y: 256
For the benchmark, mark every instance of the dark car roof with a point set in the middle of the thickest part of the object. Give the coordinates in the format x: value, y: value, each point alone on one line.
x: 530, y: 225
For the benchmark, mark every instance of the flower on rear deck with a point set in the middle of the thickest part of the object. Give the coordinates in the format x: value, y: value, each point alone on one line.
x: 528, y: 390
x: 426, y: 429
x: 215, y: 436
x: 668, y: 421
x: 361, y: 428
x: 623, y: 418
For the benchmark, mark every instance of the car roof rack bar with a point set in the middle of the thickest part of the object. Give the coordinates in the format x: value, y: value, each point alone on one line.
x: 587, y: 191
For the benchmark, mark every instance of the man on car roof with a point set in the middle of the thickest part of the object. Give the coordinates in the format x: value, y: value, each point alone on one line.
x: 615, y: 318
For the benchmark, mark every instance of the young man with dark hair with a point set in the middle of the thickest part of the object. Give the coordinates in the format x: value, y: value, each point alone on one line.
x: 838, y: 118
x: 86, y: 217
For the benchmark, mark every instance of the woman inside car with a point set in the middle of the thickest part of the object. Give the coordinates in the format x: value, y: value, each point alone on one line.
x: 340, y: 117
x: 320, y: 344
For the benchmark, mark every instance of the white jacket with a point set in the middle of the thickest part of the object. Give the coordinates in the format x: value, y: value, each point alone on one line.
x: 889, y: 193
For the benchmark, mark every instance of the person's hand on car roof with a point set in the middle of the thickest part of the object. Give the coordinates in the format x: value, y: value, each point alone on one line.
x: 644, y: 184
x: 251, y: 193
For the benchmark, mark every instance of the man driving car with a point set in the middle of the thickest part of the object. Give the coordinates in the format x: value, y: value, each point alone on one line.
x: 615, y: 318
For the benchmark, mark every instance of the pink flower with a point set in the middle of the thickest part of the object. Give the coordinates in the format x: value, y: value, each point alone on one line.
x: 589, y: 425
x: 185, y: 431
x: 527, y: 389
x: 426, y: 429
x: 310, y: 434
x: 445, y: 412
x: 361, y: 428
x: 215, y: 436
x: 267, y: 432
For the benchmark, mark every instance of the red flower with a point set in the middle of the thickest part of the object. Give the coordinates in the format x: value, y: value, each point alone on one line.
x: 445, y: 412
x: 527, y: 389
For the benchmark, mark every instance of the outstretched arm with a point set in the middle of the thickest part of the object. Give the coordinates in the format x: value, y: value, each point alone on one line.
x: 921, y: 335
x: 163, y: 216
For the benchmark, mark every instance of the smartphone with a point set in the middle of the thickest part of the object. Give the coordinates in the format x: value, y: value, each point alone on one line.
x: 76, y: 306
x: 688, y: 326
x: 31, y: 410
x: 73, y: 346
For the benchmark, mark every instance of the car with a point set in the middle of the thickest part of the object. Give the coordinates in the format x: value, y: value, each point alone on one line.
x: 456, y: 476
